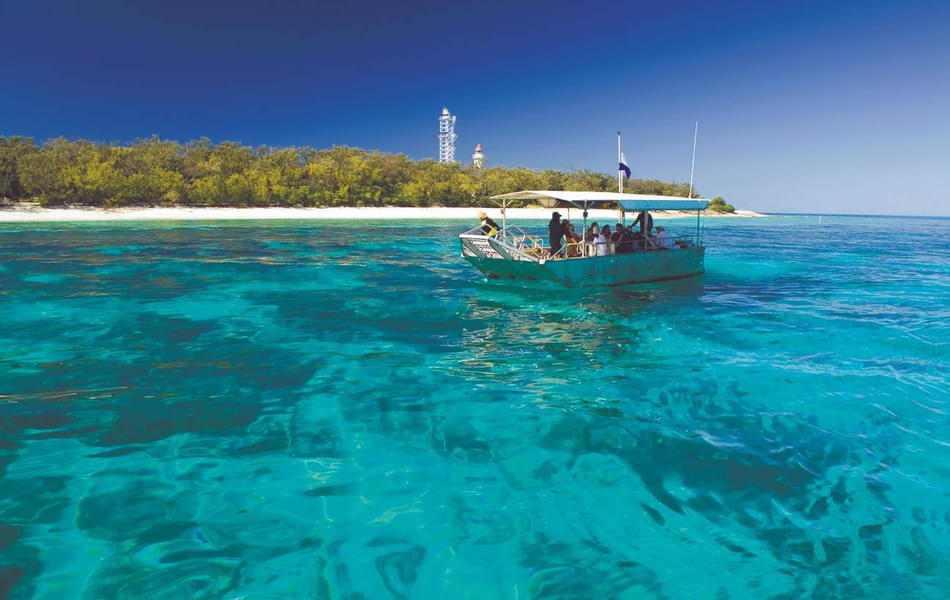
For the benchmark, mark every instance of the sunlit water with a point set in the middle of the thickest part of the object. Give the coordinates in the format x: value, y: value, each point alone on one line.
x: 347, y: 410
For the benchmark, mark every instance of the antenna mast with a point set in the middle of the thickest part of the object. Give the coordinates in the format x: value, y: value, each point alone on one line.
x: 693, y: 163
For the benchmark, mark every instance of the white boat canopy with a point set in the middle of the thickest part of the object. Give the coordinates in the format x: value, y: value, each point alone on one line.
x: 585, y: 200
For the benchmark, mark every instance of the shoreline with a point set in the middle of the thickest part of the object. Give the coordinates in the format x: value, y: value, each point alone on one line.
x: 32, y: 214
x: 385, y: 213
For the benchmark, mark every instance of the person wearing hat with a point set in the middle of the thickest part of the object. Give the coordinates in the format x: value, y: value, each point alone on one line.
x: 556, y: 231
x: 489, y: 227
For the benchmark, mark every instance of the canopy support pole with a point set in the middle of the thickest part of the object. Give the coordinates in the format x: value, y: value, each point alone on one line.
x: 585, y: 222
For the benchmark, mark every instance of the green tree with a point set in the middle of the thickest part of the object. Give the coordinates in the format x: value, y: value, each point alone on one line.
x: 717, y: 204
x: 92, y: 179
x: 43, y: 174
x: 12, y: 151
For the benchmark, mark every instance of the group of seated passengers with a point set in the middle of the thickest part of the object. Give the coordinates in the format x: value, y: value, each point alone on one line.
x: 623, y: 240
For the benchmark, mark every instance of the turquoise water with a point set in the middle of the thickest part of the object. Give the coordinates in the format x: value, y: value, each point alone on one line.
x: 346, y: 410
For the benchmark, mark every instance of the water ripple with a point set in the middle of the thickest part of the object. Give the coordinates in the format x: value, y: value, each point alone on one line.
x: 273, y: 410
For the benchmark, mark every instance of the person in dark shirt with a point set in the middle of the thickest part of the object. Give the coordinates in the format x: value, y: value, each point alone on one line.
x: 489, y: 227
x: 617, y: 238
x: 646, y: 223
x: 625, y: 243
x: 617, y: 234
x: 556, y: 231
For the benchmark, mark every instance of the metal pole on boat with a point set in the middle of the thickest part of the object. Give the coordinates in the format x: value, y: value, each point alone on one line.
x: 692, y: 164
x: 620, y: 176
x: 584, y: 235
x: 504, y: 215
x: 619, y: 170
x: 697, y: 226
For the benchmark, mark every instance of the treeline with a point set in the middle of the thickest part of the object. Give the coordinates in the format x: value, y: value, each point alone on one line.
x: 156, y: 172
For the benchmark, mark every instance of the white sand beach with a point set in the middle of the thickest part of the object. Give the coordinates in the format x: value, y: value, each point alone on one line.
x: 388, y: 213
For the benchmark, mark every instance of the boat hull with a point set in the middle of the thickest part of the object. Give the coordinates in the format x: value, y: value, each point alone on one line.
x: 618, y: 269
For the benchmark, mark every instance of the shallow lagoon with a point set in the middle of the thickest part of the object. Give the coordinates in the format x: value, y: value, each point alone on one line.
x: 346, y: 410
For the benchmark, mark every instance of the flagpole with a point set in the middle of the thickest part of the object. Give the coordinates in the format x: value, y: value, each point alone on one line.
x: 619, y: 170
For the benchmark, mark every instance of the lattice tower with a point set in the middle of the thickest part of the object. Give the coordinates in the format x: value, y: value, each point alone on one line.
x: 447, y: 137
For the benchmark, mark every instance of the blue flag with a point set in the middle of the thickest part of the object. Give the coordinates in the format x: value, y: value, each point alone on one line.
x: 624, y: 167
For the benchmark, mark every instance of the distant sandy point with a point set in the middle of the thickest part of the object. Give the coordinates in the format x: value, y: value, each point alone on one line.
x: 26, y: 214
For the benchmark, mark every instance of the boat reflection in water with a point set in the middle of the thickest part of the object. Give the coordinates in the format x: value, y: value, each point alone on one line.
x: 514, y: 255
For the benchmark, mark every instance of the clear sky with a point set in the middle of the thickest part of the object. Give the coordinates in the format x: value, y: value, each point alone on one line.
x: 802, y: 106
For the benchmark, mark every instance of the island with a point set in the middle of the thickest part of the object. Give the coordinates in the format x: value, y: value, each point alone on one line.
x: 155, y: 178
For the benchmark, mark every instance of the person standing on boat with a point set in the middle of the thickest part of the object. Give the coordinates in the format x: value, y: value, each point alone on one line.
x: 646, y: 223
x: 489, y: 227
x: 556, y: 231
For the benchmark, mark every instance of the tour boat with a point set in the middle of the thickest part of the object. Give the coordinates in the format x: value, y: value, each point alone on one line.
x: 510, y: 253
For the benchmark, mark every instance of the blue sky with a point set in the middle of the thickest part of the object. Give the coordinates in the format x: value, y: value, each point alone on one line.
x: 803, y: 106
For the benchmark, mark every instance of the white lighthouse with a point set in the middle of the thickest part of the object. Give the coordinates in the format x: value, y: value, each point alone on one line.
x: 478, y: 158
x: 447, y: 137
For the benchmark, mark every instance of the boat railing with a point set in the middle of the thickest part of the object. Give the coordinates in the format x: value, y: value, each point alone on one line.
x: 521, y: 239
x: 509, y: 235
x: 477, y: 230
x: 648, y: 244
x: 510, y: 242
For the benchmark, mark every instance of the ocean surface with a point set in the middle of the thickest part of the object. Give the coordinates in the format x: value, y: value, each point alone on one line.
x: 269, y: 410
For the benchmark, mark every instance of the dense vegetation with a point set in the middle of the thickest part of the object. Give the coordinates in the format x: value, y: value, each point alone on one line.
x: 155, y: 172
x: 717, y: 204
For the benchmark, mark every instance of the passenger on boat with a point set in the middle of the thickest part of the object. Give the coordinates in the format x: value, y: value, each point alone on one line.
x: 600, y: 242
x: 624, y: 239
x: 591, y: 232
x: 573, y: 240
x: 607, y: 237
x: 638, y: 238
x: 615, y: 238
x: 489, y: 227
x: 556, y: 231
x: 662, y: 238
x: 618, y: 231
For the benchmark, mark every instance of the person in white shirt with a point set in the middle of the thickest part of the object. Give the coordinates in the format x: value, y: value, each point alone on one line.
x: 600, y: 242
x: 662, y: 238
